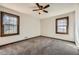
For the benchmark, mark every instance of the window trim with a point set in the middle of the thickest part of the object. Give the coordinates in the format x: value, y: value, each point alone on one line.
x: 2, y: 28
x: 67, y: 27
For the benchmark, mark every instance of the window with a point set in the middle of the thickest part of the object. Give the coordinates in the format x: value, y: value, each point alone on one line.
x: 62, y: 25
x: 9, y: 24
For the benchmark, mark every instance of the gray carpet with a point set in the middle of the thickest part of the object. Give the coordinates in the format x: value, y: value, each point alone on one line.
x: 40, y: 46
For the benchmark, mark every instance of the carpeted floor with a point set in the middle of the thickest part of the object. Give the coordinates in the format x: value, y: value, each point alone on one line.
x: 40, y: 46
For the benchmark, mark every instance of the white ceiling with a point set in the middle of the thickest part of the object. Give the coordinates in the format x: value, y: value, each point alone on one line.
x: 53, y: 10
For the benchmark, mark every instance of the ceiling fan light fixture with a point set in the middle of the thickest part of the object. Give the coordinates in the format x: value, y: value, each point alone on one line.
x: 41, y: 8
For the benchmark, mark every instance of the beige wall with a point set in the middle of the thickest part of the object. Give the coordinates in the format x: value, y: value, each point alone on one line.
x: 29, y: 27
x: 77, y: 25
x: 48, y: 27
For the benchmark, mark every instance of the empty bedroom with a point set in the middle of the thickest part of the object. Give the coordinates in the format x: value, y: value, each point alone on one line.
x: 39, y: 29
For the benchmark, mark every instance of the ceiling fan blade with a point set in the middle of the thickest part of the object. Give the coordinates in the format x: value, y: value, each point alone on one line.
x: 46, y: 6
x: 45, y: 11
x: 36, y: 10
x: 38, y: 5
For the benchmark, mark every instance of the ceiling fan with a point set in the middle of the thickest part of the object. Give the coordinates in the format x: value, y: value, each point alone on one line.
x: 42, y: 8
